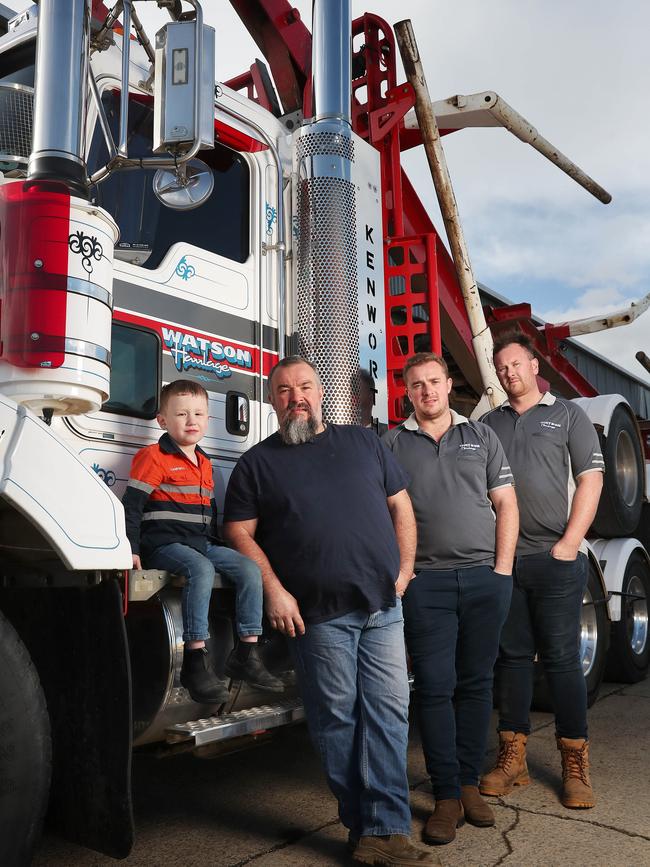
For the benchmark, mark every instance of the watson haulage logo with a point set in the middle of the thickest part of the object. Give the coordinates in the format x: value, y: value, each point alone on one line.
x: 190, y: 352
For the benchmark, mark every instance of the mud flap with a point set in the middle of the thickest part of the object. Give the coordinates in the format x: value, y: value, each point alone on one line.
x: 77, y: 640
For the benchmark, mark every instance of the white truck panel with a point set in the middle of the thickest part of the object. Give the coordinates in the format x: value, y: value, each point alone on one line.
x: 614, y: 554
x: 68, y: 502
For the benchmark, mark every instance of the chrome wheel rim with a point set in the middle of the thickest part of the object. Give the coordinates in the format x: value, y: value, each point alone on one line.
x: 588, y: 633
x: 627, y: 477
x: 636, y: 616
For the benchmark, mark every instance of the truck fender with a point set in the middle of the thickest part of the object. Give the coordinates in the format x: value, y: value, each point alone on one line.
x: 46, y: 482
x: 613, y: 556
x: 625, y: 482
x: 600, y: 409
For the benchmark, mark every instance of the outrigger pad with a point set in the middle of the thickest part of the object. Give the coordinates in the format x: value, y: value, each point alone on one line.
x: 77, y: 639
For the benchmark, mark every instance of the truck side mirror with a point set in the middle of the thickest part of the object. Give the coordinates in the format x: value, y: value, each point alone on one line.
x: 183, y: 88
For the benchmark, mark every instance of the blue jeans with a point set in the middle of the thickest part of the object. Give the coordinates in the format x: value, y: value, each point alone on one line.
x: 453, y: 619
x: 352, y: 676
x: 544, y: 617
x: 199, y: 570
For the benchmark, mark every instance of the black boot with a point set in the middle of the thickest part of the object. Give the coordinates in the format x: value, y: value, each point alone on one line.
x: 199, y: 680
x: 244, y: 663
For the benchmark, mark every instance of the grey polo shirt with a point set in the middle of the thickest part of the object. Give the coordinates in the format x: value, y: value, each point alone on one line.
x: 548, y: 447
x: 449, y: 488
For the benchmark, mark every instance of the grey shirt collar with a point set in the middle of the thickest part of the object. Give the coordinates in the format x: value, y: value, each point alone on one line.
x: 411, y: 422
x: 547, y: 399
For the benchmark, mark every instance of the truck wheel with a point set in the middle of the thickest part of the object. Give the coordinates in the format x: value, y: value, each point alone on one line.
x: 629, y: 652
x: 619, y: 509
x: 594, y: 640
x: 25, y: 751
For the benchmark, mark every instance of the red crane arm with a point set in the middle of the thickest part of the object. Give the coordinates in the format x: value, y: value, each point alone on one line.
x: 284, y: 41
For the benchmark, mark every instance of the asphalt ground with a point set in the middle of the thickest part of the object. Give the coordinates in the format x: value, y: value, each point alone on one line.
x: 269, y: 806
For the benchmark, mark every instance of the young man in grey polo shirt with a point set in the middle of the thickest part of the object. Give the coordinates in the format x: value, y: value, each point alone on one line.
x: 466, y: 513
x: 557, y: 464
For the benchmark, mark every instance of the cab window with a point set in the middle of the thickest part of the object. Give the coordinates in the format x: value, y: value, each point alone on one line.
x: 148, y: 228
x: 135, y: 371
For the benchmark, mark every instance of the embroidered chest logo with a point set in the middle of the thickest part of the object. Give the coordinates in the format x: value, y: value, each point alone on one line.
x: 472, y: 448
x: 550, y: 426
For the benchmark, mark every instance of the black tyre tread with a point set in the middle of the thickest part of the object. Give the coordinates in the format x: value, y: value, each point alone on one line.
x: 623, y: 666
x: 615, y: 518
x: 26, y: 754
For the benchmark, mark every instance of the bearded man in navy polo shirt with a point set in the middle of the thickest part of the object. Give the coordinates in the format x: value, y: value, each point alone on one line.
x: 323, y: 511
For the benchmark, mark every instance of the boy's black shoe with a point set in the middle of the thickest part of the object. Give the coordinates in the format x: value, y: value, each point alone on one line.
x: 244, y: 663
x: 199, y: 680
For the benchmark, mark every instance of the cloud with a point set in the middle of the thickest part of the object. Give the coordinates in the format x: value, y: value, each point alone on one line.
x: 581, y: 251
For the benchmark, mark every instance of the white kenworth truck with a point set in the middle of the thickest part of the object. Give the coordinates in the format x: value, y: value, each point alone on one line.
x: 155, y: 226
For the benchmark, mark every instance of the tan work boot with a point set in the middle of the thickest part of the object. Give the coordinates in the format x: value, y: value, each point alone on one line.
x: 442, y: 823
x: 394, y: 851
x: 576, y: 786
x: 511, y: 769
x: 477, y: 811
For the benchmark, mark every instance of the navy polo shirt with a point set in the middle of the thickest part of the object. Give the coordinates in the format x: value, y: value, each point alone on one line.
x: 323, y: 519
x: 548, y: 446
x: 449, y: 485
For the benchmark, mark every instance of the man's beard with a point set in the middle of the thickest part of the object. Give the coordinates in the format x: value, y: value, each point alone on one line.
x: 295, y: 431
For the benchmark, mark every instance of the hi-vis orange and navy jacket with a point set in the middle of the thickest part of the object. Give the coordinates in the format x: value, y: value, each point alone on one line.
x: 169, y: 499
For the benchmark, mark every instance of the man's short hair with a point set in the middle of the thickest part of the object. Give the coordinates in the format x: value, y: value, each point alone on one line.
x: 180, y: 386
x: 509, y: 337
x: 424, y: 358
x: 291, y: 361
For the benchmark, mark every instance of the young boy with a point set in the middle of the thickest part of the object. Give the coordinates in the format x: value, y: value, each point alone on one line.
x: 170, y: 522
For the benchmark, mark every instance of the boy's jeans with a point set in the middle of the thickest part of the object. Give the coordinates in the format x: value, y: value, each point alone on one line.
x: 352, y: 676
x: 199, y: 570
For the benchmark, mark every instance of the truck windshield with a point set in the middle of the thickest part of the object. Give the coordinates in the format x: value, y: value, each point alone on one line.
x: 148, y: 228
x: 16, y: 107
x: 17, y: 65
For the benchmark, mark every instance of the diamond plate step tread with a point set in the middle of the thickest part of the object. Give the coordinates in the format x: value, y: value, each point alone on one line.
x: 238, y: 723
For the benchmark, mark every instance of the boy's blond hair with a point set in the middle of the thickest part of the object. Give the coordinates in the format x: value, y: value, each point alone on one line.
x: 180, y: 386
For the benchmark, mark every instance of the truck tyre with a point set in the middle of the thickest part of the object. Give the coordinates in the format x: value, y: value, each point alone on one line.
x: 620, y: 503
x: 594, y: 641
x: 25, y: 751
x: 629, y: 652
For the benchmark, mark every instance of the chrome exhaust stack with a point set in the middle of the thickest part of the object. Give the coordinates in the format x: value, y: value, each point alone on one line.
x: 325, y: 217
x: 332, y: 61
x: 62, y: 56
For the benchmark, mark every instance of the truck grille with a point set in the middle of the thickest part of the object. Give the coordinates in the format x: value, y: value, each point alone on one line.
x: 16, y: 121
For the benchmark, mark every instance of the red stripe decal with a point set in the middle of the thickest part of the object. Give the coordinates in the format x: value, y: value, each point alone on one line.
x: 195, y: 350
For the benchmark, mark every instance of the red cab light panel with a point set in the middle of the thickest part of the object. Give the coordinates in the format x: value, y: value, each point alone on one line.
x: 34, y: 233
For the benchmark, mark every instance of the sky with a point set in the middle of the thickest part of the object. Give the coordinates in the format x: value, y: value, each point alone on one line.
x: 578, y: 70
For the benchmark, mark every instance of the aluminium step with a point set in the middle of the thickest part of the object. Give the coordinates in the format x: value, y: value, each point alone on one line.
x: 238, y: 723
